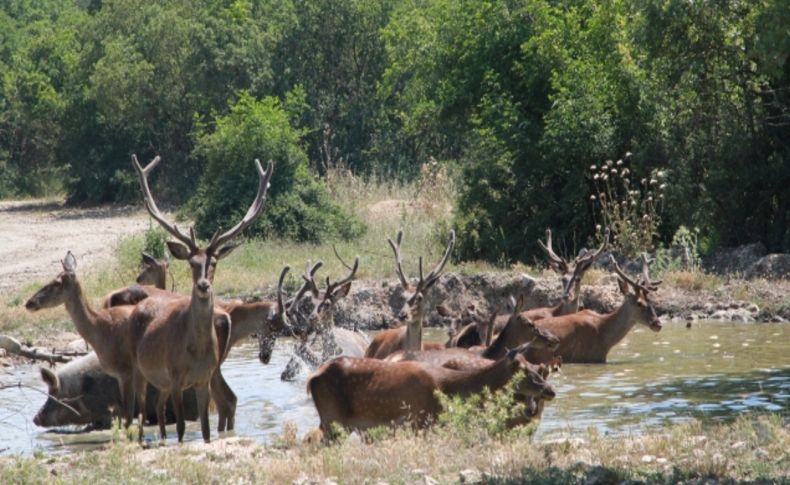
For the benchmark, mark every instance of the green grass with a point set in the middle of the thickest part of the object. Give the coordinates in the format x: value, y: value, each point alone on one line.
x: 751, y: 448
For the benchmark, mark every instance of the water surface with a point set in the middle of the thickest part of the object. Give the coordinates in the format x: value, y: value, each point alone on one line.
x: 713, y: 372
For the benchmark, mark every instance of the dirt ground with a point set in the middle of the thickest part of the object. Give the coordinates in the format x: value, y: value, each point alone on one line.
x: 37, y: 233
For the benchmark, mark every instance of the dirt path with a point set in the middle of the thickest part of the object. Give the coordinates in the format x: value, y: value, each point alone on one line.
x: 35, y: 235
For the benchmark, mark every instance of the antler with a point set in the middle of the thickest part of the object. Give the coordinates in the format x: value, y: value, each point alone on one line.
x: 331, y: 287
x: 252, y: 213
x: 309, y: 283
x: 150, y: 205
x: 398, y: 263
x: 556, y: 262
x: 437, y: 271
x: 636, y: 285
x: 582, y: 264
x: 280, y: 303
x: 652, y: 285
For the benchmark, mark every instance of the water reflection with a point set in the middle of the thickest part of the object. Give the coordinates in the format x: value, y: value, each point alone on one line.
x: 713, y: 371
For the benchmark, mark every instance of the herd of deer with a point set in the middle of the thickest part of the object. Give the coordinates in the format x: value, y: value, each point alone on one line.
x: 146, y: 335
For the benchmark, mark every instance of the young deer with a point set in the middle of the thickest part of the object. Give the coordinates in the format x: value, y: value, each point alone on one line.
x: 587, y: 336
x: 359, y: 394
x: 409, y: 336
x: 105, y: 330
x: 152, y: 280
x: 183, y: 345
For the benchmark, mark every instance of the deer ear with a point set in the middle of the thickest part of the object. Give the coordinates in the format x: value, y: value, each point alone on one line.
x: 148, y: 259
x: 443, y: 311
x: 225, y: 250
x: 69, y: 262
x: 519, y: 306
x: 51, y: 379
x: 342, y: 291
x: 178, y: 250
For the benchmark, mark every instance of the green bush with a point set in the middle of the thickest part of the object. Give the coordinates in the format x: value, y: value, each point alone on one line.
x: 298, y: 205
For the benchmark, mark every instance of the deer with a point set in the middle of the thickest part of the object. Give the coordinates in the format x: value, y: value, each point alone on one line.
x: 182, y: 345
x: 587, y: 336
x: 152, y: 280
x: 359, y: 394
x: 105, y: 330
x: 320, y: 323
x: 409, y: 336
x: 571, y: 274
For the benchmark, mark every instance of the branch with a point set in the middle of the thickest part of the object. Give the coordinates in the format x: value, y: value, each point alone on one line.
x: 25, y: 386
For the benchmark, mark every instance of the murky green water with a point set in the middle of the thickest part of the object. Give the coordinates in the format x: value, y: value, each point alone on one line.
x: 713, y: 372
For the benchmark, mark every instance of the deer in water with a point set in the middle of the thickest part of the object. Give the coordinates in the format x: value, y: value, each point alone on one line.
x: 359, y: 394
x: 105, y: 330
x: 587, y: 336
x: 182, y: 345
x: 409, y: 336
x: 320, y: 323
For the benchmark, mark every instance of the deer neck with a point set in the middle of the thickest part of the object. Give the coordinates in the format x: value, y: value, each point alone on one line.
x: 201, y: 315
x: 247, y: 318
x: 613, y: 327
x: 413, y: 340
x: 566, y: 307
x: 83, y: 316
x: 504, y: 341
x: 468, y: 382
x: 161, y: 281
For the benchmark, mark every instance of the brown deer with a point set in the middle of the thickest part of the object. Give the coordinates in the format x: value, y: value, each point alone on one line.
x: 571, y: 274
x: 183, y: 345
x: 105, y: 330
x: 359, y: 394
x: 587, y: 336
x: 409, y: 336
x: 152, y: 280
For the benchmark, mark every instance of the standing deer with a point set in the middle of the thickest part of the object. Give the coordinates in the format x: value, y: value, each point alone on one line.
x: 409, y: 336
x: 359, y: 394
x: 182, y: 346
x: 105, y: 330
x: 587, y: 336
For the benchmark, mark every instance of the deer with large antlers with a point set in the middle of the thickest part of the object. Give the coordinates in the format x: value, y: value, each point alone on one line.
x: 359, y: 394
x: 105, y: 330
x: 320, y: 323
x: 587, y: 336
x: 409, y: 336
x: 183, y: 345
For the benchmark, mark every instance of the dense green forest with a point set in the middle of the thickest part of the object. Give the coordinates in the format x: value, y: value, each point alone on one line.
x: 518, y: 98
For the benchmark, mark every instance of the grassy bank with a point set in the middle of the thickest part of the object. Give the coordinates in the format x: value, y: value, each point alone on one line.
x: 750, y: 449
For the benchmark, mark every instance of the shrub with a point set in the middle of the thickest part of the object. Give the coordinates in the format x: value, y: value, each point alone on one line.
x: 298, y: 205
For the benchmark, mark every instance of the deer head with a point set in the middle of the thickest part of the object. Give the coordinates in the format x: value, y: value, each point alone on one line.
x: 571, y: 272
x: 55, y: 292
x: 324, y: 302
x: 637, y: 294
x: 413, y: 295
x: 202, y: 261
x: 533, y: 385
x: 154, y: 271
x: 285, y: 314
x: 521, y: 329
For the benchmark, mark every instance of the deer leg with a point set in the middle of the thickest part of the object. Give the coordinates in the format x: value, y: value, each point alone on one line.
x: 178, y: 409
x: 140, y: 385
x: 127, y: 400
x: 161, y: 413
x: 225, y: 399
x: 202, y: 394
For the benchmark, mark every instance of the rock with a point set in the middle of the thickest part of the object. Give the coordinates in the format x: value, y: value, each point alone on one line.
x: 10, y: 344
x: 78, y: 345
x: 734, y: 260
x: 648, y: 458
x: 601, y: 475
x: 772, y: 267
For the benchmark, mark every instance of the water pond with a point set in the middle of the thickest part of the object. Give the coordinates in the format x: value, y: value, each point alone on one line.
x: 712, y: 371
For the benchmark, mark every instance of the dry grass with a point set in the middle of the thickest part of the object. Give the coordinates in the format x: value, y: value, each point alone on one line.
x: 748, y: 449
x: 692, y: 280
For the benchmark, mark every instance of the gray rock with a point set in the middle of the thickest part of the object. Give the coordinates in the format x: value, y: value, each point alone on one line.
x: 734, y: 260
x: 772, y: 267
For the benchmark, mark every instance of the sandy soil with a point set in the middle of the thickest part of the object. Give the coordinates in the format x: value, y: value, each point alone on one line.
x: 37, y: 233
